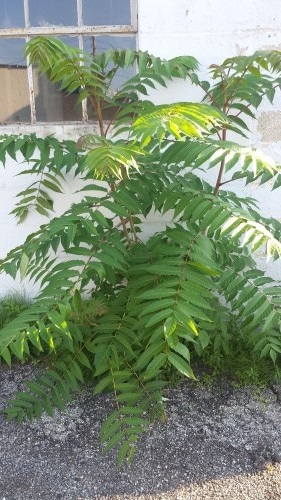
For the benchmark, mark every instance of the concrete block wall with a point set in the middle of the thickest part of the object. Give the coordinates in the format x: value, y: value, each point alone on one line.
x: 210, y: 30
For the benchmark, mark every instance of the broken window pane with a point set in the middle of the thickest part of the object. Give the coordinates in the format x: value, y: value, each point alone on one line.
x: 14, y: 95
x: 51, y: 103
x: 52, y: 13
x: 105, y: 12
x: 11, y: 14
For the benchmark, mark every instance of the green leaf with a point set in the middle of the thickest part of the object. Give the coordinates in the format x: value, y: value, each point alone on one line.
x: 36, y: 388
x: 6, y: 355
x: 46, y: 403
x: 118, y: 438
x: 159, y: 317
x: 149, y: 353
x: 24, y: 262
x: 154, y: 366
x: 204, y: 339
x: 76, y: 371
x: 181, y: 365
x: 156, y: 305
x: 182, y: 350
x: 103, y: 384
x: 56, y: 187
x: 57, y: 399
x: 34, y: 337
x: 83, y: 359
x: 126, y: 452
x: 157, y: 293
x: 265, y: 351
x: 272, y: 317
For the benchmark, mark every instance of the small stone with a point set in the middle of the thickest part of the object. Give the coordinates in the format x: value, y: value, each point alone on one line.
x: 276, y: 457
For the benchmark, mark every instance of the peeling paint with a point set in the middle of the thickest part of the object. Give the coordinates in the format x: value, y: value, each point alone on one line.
x: 67, y: 30
x: 272, y: 47
x: 241, y: 51
x: 269, y: 126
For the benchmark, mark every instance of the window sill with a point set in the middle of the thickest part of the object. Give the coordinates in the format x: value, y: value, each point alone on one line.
x: 65, y: 130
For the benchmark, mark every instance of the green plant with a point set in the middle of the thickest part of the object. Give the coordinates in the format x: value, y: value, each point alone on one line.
x: 151, y: 303
x: 11, y: 306
x: 241, y: 365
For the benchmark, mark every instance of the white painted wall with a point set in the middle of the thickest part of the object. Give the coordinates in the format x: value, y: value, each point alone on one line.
x: 210, y: 30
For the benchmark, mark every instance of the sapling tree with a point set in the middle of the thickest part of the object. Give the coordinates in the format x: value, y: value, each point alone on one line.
x: 120, y: 310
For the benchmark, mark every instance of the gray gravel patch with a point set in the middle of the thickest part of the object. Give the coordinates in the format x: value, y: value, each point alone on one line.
x: 218, y: 443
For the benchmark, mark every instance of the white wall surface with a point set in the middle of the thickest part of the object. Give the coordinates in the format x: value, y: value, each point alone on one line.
x: 210, y: 30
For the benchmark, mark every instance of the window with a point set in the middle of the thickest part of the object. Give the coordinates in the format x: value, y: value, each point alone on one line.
x: 92, y: 25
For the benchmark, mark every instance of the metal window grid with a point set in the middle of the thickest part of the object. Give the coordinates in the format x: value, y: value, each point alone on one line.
x: 28, y: 31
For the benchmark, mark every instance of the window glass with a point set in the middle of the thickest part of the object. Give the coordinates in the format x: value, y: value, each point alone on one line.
x: 105, y: 12
x: 100, y: 43
x: 11, y: 14
x: 51, y: 103
x: 14, y: 95
x: 52, y: 12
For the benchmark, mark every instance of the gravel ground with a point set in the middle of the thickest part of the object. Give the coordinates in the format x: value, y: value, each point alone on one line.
x: 218, y: 443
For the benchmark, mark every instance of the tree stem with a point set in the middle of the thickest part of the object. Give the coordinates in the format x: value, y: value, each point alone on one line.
x: 221, y: 170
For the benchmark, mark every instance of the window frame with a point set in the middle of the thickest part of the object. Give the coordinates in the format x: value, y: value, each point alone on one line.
x: 79, y: 30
